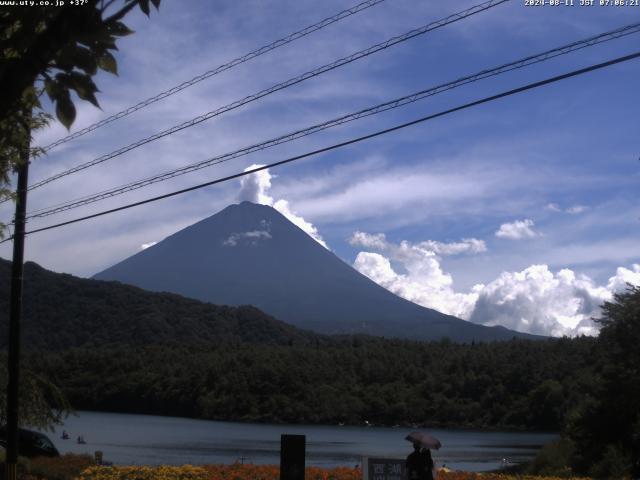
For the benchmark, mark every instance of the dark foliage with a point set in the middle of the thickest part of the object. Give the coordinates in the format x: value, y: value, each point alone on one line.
x: 607, y: 418
x: 57, y: 51
x: 118, y: 348
x: 63, y: 47
x: 63, y: 311
x: 516, y: 384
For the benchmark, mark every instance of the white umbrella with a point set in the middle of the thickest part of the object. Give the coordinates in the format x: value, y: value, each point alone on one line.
x: 424, y: 439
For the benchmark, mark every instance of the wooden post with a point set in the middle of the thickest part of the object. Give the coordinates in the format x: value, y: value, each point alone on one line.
x: 15, y: 314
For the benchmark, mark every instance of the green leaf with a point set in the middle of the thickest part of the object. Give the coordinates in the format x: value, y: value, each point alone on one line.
x: 108, y: 63
x: 52, y: 88
x: 64, y: 80
x: 85, y: 60
x: 119, y: 29
x: 111, y: 46
x: 99, y: 37
x: 84, y: 87
x: 144, y: 6
x: 64, y: 59
x: 65, y: 110
x: 91, y: 38
x: 90, y: 97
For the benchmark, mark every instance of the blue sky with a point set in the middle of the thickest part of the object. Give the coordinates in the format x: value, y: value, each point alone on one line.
x: 521, y: 212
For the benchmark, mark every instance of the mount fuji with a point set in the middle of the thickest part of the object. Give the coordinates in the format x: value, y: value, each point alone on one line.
x: 250, y: 254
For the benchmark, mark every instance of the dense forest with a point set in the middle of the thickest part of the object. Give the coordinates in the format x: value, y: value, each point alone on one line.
x: 517, y: 384
x: 62, y: 311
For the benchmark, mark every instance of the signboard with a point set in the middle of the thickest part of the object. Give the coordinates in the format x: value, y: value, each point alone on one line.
x: 292, y: 453
x: 383, y: 468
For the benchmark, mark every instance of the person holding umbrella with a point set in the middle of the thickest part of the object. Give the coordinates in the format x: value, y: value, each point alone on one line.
x: 427, y: 461
x: 419, y: 463
x: 416, y: 465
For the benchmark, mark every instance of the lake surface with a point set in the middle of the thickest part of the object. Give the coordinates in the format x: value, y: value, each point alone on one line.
x: 152, y: 440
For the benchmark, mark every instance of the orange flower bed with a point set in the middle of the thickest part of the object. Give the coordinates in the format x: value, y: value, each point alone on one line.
x: 163, y: 472
x: 78, y: 467
x: 272, y: 472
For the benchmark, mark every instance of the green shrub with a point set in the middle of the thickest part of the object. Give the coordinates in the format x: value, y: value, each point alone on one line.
x: 553, y: 459
x: 615, y: 464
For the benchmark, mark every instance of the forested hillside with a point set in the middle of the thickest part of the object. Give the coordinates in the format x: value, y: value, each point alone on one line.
x: 516, y: 384
x: 62, y: 311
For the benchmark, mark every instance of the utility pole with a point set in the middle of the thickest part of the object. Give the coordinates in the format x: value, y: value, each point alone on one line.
x: 15, y: 313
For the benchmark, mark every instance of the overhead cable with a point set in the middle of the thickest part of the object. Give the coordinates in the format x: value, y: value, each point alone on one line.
x: 398, y: 102
x: 507, y: 93
x: 280, y: 86
x: 226, y: 66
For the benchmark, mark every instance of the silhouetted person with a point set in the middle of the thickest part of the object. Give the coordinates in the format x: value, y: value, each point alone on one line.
x: 418, y: 464
x: 427, y: 462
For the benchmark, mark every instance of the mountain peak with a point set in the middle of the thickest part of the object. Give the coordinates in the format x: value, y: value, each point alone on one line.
x: 246, y: 210
x: 250, y: 254
x: 248, y: 204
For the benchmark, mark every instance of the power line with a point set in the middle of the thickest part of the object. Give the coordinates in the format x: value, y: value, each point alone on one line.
x: 226, y: 66
x: 507, y: 93
x: 280, y: 86
x: 398, y: 102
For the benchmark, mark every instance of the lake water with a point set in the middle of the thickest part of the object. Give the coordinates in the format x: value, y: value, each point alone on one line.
x: 152, y: 440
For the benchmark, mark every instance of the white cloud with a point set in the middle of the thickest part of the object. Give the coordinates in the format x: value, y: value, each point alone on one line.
x: 534, y: 300
x: 623, y: 277
x: 467, y: 245
x: 253, y: 237
x: 573, y: 210
x: 283, y: 207
x: 144, y: 246
x: 255, y: 187
x: 538, y: 301
x: 424, y: 282
x: 368, y: 240
x: 517, y: 230
x: 428, y: 247
x: 399, y: 192
x: 377, y: 268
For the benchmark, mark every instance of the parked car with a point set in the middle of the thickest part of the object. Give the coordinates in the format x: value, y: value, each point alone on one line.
x: 31, y: 444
